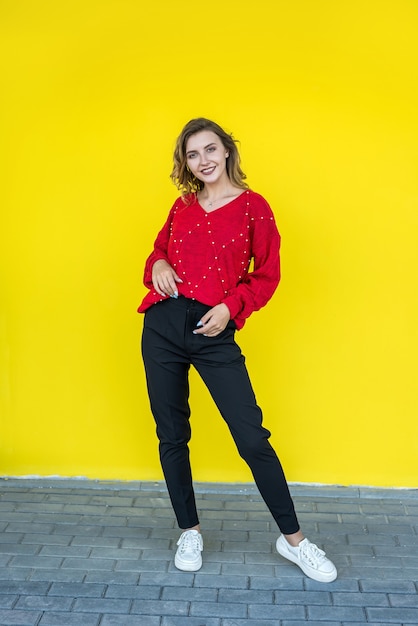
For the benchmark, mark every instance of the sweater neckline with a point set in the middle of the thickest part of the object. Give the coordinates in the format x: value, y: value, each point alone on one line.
x: 227, y: 204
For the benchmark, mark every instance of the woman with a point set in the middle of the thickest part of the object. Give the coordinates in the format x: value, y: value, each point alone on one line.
x: 200, y: 292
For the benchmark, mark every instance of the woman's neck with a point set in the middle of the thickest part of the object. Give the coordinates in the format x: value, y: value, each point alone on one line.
x: 212, y: 197
x: 218, y: 191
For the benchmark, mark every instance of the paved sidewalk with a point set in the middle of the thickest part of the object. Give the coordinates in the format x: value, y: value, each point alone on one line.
x: 87, y: 553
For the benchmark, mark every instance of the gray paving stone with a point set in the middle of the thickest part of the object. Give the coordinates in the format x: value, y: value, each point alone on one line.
x: 129, y: 620
x: 191, y: 621
x: 121, y: 533
x: 245, y: 546
x: 23, y: 495
x: 6, y: 507
x: 7, y: 537
x: 145, y: 592
x: 259, y: 526
x: 23, y: 587
x: 387, y: 586
x: 358, y: 599
x: 249, y: 569
x: 141, y: 566
x: 402, y: 600
x: 99, y: 542
x: 161, y: 607
x: 226, y: 535
x: 69, y: 619
x: 151, y: 522
x: 19, y: 618
x: 7, y: 602
x: 336, y: 613
x: 115, y: 553
x: 46, y: 540
x: 65, y: 551
x: 409, y: 540
x: 395, y: 551
x: 390, y: 529
x: 328, y: 506
x: 58, y: 575
x: 366, y: 539
x: 246, y: 596
x: 39, y: 507
x: 215, y: 609
x: 227, y: 582
x: 97, y: 521
x: 37, y: 562
x: 157, y: 555
x: 88, y: 564
x: 237, y: 505
x: 176, y: 579
x: 82, y: 529
x: 323, y: 598
x: 341, y: 584
x: 362, y: 623
x: 222, y: 515
x: 189, y: 594
x: 28, y: 527
x: 114, y: 501
x: 263, y: 558
x: 265, y: 535
x: 262, y: 622
x: 144, y: 543
x: 393, y: 615
x: 287, y: 583
x: 348, y: 550
x: 57, y: 518
x: 314, y: 623
x: 85, y: 509
x: 44, y: 603
x: 4, y: 559
x: 277, y: 612
x: 77, y: 590
x: 327, y: 529
x: 101, y: 605
x: 223, y: 557
x: 112, y: 578
x: 209, y: 567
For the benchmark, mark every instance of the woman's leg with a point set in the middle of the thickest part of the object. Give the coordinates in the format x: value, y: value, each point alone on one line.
x: 166, y: 368
x: 221, y: 365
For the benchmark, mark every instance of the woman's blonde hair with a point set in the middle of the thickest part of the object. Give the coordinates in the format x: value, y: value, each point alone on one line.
x: 182, y: 177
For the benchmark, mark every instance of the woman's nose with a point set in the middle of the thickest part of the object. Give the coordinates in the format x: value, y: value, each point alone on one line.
x: 203, y: 158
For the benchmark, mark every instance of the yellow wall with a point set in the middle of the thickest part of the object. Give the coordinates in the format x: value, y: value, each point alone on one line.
x: 323, y: 96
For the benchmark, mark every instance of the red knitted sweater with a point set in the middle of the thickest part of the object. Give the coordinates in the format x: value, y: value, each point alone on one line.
x: 211, y: 253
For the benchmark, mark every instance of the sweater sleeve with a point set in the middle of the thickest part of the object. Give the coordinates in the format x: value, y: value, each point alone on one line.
x: 160, y: 249
x: 258, y: 286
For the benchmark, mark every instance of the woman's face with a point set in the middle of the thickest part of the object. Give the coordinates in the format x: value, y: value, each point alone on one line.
x: 206, y: 157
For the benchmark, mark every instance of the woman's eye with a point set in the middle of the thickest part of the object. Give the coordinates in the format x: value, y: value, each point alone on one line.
x: 212, y: 148
x: 191, y: 155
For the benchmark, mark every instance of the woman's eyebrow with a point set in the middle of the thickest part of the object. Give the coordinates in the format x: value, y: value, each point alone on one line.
x: 204, y: 147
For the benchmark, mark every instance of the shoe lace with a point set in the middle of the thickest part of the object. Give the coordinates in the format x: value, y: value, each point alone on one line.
x: 312, y: 554
x: 189, y: 542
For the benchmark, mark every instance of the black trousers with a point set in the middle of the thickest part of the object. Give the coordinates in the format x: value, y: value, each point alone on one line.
x: 169, y: 347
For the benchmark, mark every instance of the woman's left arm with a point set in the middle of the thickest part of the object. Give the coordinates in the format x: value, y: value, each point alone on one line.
x: 256, y: 289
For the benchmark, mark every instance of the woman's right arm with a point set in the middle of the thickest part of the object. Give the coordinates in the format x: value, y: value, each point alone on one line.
x: 158, y: 273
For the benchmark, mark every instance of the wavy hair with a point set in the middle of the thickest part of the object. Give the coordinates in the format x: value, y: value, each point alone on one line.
x: 183, y: 178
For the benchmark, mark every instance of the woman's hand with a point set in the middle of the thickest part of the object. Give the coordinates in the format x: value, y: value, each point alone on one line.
x: 164, y: 279
x: 214, y: 321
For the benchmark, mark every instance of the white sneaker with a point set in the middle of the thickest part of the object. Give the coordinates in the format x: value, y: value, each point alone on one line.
x: 188, y: 556
x: 311, y: 560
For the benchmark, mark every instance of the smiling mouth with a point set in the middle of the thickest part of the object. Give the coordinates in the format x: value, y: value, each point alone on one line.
x: 207, y: 171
